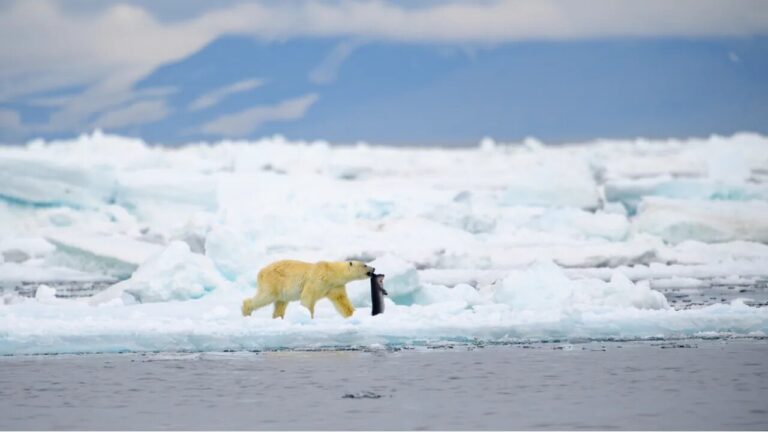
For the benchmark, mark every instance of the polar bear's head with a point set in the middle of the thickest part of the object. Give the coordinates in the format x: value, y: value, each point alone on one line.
x: 357, y: 270
x: 341, y: 272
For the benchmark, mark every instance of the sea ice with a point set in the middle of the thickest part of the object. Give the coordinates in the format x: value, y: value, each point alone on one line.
x: 213, y: 322
x: 545, y: 287
x: 401, y: 280
x: 45, y: 294
x: 551, y: 178
x: 173, y: 274
x: 707, y: 221
x: 46, y: 182
x: 503, y: 242
x: 631, y: 192
x: 21, y: 249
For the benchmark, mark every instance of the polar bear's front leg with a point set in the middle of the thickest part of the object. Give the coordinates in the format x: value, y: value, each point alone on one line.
x: 338, y: 296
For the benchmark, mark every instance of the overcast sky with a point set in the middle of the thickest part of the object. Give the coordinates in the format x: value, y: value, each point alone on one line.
x: 70, y: 67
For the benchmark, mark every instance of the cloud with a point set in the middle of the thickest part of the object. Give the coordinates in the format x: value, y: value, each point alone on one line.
x: 242, y: 123
x: 107, y: 47
x: 70, y: 49
x: 213, y: 98
x: 66, y: 47
x: 134, y: 114
x: 327, y: 70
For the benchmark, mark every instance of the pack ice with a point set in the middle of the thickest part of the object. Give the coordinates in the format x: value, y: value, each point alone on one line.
x: 108, y: 244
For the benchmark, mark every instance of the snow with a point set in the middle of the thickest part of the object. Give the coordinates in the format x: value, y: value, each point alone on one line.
x: 114, y: 247
x: 37, y: 271
x: 213, y: 323
x: 678, y: 282
x: 502, y: 242
x: 48, y: 182
x: 631, y: 191
x: 550, y: 178
x: 22, y: 249
x: 657, y: 270
x: 544, y: 286
x: 45, y: 294
x: 173, y: 274
x: 707, y: 221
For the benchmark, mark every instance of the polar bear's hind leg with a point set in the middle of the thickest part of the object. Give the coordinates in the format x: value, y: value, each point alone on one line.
x: 279, y: 311
x: 308, y: 301
x: 260, y: 300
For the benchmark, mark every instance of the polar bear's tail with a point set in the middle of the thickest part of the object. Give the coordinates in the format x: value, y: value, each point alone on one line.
x: 247, y: 307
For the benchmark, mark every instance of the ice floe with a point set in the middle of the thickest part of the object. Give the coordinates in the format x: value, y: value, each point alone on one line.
x: 503, y: 242
x: 175, y: 273
x: 678, y: 220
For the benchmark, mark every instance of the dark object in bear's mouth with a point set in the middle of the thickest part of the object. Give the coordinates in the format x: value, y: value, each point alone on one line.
x: 377, y: 294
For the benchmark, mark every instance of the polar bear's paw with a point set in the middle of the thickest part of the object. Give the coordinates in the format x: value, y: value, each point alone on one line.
x: 247, y: 307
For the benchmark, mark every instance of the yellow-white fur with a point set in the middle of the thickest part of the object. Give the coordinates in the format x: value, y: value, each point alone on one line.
x: 288, y: 280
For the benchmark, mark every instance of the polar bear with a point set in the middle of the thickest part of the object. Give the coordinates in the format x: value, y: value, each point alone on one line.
x: 289, y: 280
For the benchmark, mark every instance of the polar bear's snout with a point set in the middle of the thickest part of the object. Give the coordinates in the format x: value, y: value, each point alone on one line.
x: 370, y: 269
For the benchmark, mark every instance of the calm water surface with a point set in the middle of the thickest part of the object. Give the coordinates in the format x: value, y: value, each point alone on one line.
x: 693, y: 384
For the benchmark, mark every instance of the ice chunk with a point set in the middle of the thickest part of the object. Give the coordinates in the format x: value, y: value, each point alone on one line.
x: 401, y: 280
x: 544, y: 286
x: 615, y: 208
x: 696, y: 252
x: 678, y: 282
x: 728, y: 159
x: 423, y: 241
x: 455, y: 276
x: 22, y: 249
x: 552, y: 180
x: 757, y: 268
x: 45, y: 294
x: 195, y: 231
x: 113, y: 255
x: 234, y: 253
x: 431, y: 294
x: 580, y: 223
x: 631, y: 192
x: 174, y: 274
x: 96, y: 148
x: 37, y: 271
x: 732, y: 163
x: 645, y: 160
x: 487, y: 144
x: 168, y: 199
x: 161, y: 185
x: 115, y: 247
x: 46, y: 182
x: 401, y: 276
x: 708, y: 221
x: 461, y: 215
x: 495, y: 254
